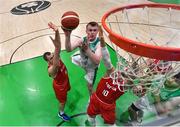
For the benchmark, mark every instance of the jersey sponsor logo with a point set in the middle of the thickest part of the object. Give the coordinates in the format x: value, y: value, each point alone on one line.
x: 30, y: 7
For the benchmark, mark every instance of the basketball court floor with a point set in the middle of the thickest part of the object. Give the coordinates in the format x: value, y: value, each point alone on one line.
x: 26, y: 94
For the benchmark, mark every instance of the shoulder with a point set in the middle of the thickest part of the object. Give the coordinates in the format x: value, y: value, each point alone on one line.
x: 53, y: 70
x: 106, y: 78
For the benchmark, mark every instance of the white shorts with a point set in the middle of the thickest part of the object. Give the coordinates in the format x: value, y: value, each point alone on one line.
x: 90, y: 72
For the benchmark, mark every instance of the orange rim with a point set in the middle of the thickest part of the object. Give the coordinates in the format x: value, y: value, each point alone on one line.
x: 139, y: 48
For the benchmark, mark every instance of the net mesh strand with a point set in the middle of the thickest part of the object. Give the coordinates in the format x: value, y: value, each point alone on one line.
x: 155, y: 26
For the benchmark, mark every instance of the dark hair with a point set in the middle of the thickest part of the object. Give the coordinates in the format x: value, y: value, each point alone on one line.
x: 92, y: 24
x: 45, y: 55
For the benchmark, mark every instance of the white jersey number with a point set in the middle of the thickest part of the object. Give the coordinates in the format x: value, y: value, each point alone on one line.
x: 105, y: 92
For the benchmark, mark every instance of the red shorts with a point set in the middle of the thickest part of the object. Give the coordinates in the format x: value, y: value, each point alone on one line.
x: 61, y: 91
x: 107, y: 111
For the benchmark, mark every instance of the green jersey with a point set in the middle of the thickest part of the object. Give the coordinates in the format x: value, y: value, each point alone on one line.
x: 85, y: 60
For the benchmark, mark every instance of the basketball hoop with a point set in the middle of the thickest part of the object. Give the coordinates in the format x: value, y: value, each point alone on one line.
x: 147, y: 42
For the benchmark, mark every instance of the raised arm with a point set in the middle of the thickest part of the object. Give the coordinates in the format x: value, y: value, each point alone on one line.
x: 101, y: 37
x: 57, y: 44
x: 68, y: 45
x: 105, y: 54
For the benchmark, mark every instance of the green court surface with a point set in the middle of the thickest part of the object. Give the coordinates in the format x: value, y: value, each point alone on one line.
x: 27, y: 96
x: 167, y: 1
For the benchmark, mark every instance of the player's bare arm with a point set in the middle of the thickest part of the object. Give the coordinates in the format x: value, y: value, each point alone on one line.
x: 101, y: 37
x: 70, y: 46
x: 57, y: 44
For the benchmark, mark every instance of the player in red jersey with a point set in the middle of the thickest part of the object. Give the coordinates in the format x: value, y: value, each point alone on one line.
x: 109, y: 89
x: 159, y: 66
x: 57, y: 70
x: 103, y: 101
x: 136, y: 109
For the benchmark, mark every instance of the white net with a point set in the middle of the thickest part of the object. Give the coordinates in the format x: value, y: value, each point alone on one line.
x: 154, y: 26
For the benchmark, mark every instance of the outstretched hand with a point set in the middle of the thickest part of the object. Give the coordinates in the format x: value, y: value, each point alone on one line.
x: 53, y: 26
x: 55, y: 41
x: 101, y: 37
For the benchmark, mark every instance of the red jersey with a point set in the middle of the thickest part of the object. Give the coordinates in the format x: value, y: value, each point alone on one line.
x: 62, y: 76
x: 61, y: 83
x: 164, y: 68
x: 107, y: 91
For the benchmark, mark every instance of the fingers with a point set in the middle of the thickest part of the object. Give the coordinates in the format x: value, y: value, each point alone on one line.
x: 52, y: 26
x: 84, y: 46
x: 66, y: 31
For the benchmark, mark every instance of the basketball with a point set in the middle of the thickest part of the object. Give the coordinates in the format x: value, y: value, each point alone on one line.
x: 70, y: 20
